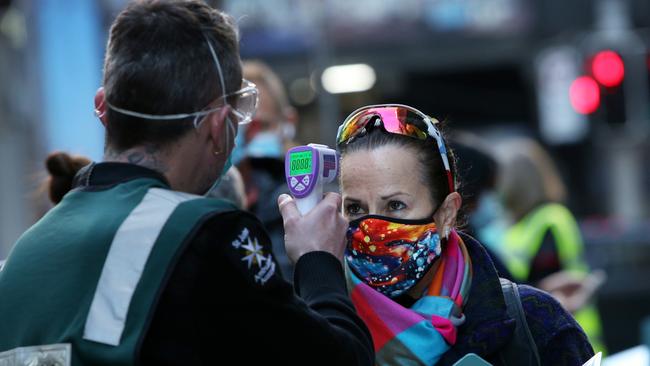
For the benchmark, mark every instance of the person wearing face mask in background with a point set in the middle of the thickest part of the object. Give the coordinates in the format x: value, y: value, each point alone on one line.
x: 134, y: 265
x: 260, y: 157
x: 429, y: 293
x: 481, y: 214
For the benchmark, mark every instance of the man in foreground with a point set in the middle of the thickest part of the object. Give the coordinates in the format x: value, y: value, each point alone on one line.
x: 133, y: 266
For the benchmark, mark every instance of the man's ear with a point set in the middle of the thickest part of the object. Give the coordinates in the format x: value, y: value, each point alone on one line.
x: 217, y: 124
x: 100, y: 105
x: 446, y: 215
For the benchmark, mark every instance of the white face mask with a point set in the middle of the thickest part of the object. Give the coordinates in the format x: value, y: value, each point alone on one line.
x: 270, y: 143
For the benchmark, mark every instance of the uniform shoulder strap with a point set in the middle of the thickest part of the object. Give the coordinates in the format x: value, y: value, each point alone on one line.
x: 521, y: 350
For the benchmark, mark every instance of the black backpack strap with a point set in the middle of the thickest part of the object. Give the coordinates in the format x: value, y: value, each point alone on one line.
x: 521, y: 350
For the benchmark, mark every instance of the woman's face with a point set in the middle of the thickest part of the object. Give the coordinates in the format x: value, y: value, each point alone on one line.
x: 384, y: 181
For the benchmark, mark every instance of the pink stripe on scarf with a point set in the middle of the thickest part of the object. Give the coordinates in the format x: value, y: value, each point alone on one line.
x: 396, y: 317
x: 445, y: 328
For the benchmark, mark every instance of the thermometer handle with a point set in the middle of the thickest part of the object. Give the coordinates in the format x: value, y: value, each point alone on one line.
x: 306, y: 204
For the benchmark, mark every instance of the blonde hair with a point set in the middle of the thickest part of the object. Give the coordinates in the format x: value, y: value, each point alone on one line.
x: 528, y: 176
x: 262, y: 75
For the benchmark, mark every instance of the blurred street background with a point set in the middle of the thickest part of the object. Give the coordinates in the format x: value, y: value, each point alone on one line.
x: 574, y: 75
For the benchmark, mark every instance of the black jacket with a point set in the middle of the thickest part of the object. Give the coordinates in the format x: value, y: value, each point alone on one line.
x: 226, y: 302
x: 488, y: 328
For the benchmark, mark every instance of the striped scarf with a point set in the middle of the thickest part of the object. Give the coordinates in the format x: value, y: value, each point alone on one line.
x: 423, y: 333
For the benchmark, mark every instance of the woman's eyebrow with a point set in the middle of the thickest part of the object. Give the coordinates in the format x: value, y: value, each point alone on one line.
x: 393, y: 195
x: 355, y: 200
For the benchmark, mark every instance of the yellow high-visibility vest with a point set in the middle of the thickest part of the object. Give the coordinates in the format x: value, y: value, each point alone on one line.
x: 523, y: 241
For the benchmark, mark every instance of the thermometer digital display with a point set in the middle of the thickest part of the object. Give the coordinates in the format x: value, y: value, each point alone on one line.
x: 300, y: 163
x: 307, y: 169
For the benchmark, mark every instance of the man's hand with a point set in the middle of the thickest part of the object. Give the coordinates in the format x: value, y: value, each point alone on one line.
x: 322, y: 229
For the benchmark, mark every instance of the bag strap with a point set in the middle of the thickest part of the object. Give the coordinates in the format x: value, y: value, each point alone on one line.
x: 521, y: 350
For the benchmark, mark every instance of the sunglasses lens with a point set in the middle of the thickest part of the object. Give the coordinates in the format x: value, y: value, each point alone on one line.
x: 352, y: 126
x: 403, y: 121
x: 395, y: 119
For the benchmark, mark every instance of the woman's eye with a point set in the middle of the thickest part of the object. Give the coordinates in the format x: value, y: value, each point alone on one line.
x: 353, y: 209
x: 396, y: 205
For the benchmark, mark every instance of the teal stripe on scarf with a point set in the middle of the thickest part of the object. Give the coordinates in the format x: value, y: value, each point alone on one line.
x: 398, y: 336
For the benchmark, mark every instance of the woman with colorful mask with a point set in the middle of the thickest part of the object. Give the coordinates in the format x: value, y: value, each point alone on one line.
x: 428, y: 293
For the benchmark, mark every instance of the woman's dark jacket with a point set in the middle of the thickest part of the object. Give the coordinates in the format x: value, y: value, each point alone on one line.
x: 489, y: 328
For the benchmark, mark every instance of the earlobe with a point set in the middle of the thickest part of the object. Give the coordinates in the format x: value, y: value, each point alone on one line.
x: 100, y: 105
x: 448, y: 212
x: 218, y: 125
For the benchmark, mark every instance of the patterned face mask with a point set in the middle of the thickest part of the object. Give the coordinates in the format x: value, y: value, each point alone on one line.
x: 391, y: 255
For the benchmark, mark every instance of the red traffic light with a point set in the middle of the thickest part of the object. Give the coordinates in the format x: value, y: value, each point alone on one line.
x: 584, y: 94
x: 608, y: 69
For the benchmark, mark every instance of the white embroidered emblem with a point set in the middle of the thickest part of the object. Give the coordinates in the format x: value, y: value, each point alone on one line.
x: 266, y: 271
x: 254, y: 255
x: 240, y: 238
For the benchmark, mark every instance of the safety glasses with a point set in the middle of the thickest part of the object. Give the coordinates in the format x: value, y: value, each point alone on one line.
x: 243, y: 102
x: 397, y: 119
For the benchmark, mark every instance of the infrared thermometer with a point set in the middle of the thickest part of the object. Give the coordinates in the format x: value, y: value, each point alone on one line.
x: 307, y: 169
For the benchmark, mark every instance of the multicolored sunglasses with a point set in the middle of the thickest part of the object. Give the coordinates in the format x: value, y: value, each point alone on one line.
x: 398, y: 119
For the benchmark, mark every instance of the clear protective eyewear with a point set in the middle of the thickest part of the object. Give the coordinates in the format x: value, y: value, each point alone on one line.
x: 245, y: 104
x: 244, y: 101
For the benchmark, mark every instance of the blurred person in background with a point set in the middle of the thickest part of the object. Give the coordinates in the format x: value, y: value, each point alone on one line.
x: 265, y: 141
x: 62, y: 168
x: 134, y: 265
x: 429, y: 293
x: 544, y: 246
x: 231, y: 188
x: 482, y: 213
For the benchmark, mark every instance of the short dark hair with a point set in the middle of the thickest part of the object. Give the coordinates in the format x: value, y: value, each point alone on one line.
x: 158, y: 62
x: 433, y: 170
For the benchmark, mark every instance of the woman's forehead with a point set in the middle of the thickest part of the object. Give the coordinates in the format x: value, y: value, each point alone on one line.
x: 380, y: 171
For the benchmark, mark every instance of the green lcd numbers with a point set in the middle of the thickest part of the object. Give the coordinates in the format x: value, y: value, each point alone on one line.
x: 300, y: 163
